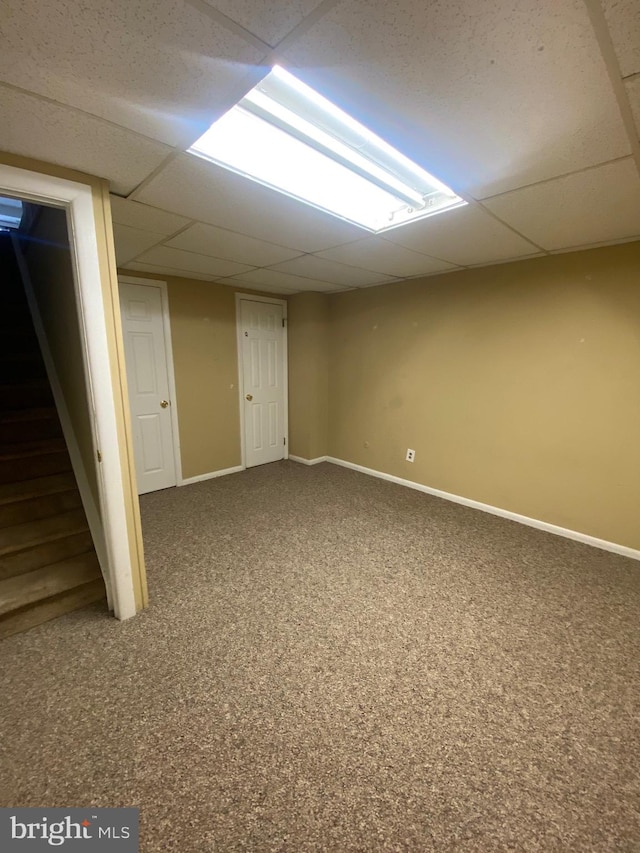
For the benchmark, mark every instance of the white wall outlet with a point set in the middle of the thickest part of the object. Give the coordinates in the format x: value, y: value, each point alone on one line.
x: 411, y: 455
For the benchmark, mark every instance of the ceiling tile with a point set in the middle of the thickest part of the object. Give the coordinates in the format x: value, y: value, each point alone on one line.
x: 267, y: 20
x: 464, y: 236
x: 623, y: 19
x: 263, y: 288
x: 54, y: 133
x: 189, y: 262
x: 597, y: 206
x: 220, y: 243
x: 146, y: 218
x: 160, y: 67
x: 137, y: 266
x: 131, y: 242
x: 309, y: 266
x: 464, y: 89
x: 294, y: 283
x: 374, y: 253
x: 201, y: 190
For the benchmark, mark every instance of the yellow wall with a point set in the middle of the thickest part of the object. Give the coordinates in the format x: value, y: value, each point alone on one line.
x: 308, y: 375
x: 203, y: 334
x: 109, y: 284
x: 47, y: 256
x: 517, y: 385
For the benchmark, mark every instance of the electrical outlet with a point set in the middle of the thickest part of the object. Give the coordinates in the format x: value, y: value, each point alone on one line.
x: 411, y: 455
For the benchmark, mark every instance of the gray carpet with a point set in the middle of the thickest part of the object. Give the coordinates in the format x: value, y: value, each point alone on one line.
x: 331, y: 662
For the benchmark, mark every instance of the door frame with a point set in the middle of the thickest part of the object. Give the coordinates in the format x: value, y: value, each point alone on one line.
x: 77, y: 201
x: 250, y: 297
x: 168, y: 351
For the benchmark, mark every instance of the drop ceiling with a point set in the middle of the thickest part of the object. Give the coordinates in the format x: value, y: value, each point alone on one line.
x: 529, y: 109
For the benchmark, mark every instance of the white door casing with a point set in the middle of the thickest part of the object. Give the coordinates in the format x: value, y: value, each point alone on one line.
x: 77, y: 200
x: 150, y: 392
x: 262, y: 349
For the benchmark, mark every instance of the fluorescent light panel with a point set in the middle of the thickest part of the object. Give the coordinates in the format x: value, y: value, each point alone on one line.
x: 10, y: 213
x: 286, y: 136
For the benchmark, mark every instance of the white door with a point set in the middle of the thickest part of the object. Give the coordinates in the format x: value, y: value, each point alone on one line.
x: 148, y: 380
x: 263, y: 379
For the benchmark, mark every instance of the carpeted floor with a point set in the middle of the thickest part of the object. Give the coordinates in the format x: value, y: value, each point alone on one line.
x: 335, y: 663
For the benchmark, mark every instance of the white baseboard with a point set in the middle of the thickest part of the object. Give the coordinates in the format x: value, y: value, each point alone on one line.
x: 603, y: 544
x: 304, y: 461
x: 211, y: 475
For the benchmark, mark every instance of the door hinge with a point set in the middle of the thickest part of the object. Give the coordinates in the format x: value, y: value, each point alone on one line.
x: 284, y: 322
x: 284, y: 440
x: 99, y: 455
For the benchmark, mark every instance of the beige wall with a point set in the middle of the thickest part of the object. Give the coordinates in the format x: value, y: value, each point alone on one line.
x: 109, y: 284
x: 308, y: 375
x: 203, y: 334
x: 47, y: 256
x: 517, y: 385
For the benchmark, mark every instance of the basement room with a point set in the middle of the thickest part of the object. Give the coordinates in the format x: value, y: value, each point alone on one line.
x: 319, y: 417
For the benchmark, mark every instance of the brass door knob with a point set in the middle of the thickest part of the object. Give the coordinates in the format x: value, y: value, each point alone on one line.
x: 249, y: 397
x: 164, y: 403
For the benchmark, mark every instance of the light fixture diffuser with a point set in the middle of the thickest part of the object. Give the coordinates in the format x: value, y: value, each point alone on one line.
x: 11, y: 210
x: 287, y: 136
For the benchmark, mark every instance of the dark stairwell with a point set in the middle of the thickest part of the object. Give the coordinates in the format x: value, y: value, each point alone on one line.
x: 48, y: 565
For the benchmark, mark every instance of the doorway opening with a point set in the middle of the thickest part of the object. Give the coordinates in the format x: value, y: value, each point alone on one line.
x: 76, y: 202
x: 51, y: 540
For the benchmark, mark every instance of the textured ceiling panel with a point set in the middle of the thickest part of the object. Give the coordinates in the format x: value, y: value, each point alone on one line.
x: 597, y: 206
x: 294, y: 283
x: 189, y: 262
x: 267, y: 20
x: 487, y: 95
x: 209, y: 240
x: 623, y: 20
x: 137, y: 266
x: 145, y: 218
x: 57, y: 134
x: 159, y: 67
x: 464, y: 236
x: 131, y: 242
x: 200, y: 190
x: 263, y: 288
x: 499, y: 98
x: 322, y: 269
x: 379, y: 255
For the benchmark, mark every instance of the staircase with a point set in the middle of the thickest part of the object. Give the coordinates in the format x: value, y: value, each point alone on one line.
x: 48, y: 565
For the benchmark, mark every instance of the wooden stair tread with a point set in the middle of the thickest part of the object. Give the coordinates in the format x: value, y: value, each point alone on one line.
x: 41, y: 506
x: 20, y: 355
x: 50, y: 608
x: 50, y: 580
x: 34, y: 414
x: 19, y: 537
x: 39, y: 447
x: 27, y: 489
x: 13, y: 386
x: 21, y: 562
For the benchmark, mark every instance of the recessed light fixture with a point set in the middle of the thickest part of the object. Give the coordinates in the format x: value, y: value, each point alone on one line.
x: 286, y: 136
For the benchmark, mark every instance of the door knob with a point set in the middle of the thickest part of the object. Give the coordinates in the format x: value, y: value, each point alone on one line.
x: 164, y: 403
x: 249, y: 397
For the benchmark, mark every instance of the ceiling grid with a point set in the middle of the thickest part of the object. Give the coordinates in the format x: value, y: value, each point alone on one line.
x: 530, y: 110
